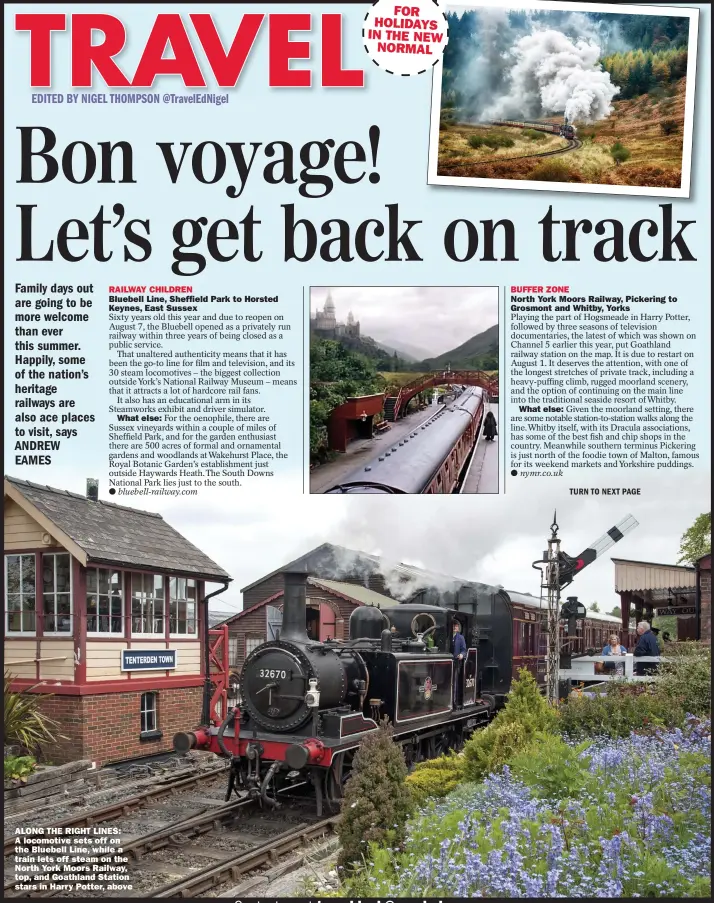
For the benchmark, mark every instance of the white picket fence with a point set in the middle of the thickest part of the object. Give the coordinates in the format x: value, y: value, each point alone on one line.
x: 582, y: 668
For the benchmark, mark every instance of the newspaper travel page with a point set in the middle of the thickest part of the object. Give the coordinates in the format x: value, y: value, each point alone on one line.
x: 261, y: 253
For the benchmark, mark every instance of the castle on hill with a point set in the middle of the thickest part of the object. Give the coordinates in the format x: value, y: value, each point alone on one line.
x: 324, y: 322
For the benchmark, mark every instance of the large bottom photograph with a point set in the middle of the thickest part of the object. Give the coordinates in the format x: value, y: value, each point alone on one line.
x: 505, y: 702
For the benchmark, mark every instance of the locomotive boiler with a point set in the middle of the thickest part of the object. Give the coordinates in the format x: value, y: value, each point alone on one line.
x: 306, y: 706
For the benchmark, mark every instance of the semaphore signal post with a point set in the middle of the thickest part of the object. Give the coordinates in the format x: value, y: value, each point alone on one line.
x: 558, y: 571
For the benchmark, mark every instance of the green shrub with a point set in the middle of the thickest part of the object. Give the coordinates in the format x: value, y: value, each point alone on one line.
x: 619, y: 153
x: 436, y: 777
x: 621, y: 709
x: 24, y: 723
x: 526, y: 713
x: 377, y: 800
x: 534, y: 134
x: 686, y: 680
x: 491, y: 140
x: 492, y: 748
x: 550, y: 766
x: 18, y: 767
x: 499, y: 141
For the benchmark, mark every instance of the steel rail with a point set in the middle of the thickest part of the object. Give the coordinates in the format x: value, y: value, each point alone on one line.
x: 234, y: 867
x: 573, y: 144
x: 123, y: 806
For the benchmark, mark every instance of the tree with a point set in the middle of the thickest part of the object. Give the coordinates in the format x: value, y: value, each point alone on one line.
x: 619, y: 153
x: 697, y: 540
x: 595, y: 607
x: 616, y: 612
x: 377, y: 800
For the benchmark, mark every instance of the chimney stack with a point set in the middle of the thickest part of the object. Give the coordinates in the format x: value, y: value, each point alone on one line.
x: 294, y: 627
x: 93, y: 490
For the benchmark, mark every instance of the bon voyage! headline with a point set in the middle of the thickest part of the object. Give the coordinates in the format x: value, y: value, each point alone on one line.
x: 315, y: 167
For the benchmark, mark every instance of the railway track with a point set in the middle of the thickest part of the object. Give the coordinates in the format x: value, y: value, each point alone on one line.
x: 123, y: 807
x: 573, y: 144
x: 186, y: 856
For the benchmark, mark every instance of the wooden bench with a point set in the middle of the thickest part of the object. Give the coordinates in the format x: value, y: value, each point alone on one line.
x: 382, y: 427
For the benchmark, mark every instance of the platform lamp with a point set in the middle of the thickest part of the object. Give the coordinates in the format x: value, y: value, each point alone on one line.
x: 363, y: 416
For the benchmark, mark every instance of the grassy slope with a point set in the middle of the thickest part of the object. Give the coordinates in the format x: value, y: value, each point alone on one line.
x: 656, y: 159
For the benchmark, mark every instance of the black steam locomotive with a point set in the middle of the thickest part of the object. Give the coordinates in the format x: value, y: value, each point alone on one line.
x: 306, y: 705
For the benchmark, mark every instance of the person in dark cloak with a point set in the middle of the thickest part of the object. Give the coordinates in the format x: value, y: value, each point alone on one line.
x: 489, y: 427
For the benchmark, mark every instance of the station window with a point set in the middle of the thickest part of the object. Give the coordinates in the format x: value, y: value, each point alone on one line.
x: 20, y: 593
x: 182, y: 608
x: 251, y: 643
x: 232, y: 650
x: 148, y: 604
x: 57, y: 592
x: 104, y: 601
x: 149, y: 713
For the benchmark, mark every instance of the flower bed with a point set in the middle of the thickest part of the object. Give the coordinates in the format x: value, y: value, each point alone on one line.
x: 637, y: 824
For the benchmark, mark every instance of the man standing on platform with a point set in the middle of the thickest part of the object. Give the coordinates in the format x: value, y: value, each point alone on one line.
x: 646, y: 646
x: 458, y: 650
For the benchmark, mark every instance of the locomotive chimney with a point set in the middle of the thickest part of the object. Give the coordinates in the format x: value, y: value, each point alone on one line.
x: 294, y: 627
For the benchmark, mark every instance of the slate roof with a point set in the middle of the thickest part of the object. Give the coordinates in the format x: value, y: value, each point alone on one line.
x: 115, y: 534
x: 339, y: 562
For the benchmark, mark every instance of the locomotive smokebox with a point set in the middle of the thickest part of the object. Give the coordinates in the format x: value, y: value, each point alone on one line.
x: 294, y: 627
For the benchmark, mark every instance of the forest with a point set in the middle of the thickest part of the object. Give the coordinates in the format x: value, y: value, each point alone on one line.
x: 336, y: 373
x: 656, y: 53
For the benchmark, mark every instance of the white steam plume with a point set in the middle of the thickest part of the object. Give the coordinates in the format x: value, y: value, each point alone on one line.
x: 556, y: 75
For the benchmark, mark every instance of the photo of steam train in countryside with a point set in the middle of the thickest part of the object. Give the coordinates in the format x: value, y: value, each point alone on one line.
x: 557, y: 96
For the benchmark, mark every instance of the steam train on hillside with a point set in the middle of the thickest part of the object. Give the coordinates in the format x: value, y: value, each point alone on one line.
x: 306, y: 706
x: 563, y: 129
x: 431, y: 459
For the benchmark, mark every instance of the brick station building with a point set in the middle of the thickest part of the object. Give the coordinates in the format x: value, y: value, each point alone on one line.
x: 105, y: 610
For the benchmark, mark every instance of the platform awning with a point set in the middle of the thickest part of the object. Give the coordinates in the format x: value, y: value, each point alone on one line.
x: 644, y: 576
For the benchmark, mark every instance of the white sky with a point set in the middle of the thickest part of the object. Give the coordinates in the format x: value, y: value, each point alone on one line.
x: 435, y: 318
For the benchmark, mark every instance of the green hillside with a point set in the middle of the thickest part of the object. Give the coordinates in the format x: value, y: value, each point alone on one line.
x: 480, y: 352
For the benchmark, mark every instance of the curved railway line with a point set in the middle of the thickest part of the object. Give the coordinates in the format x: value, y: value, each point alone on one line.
x: 573, y: 144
